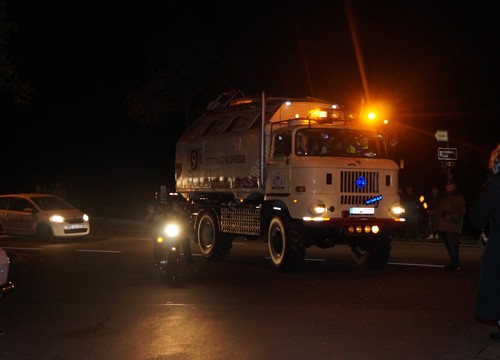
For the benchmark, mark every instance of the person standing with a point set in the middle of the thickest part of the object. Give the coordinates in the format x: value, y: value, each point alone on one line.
x: 432, y: 206
x: 485, y: 216
x: 450, y: 218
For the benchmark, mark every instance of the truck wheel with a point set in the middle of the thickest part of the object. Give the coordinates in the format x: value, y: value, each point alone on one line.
x: 373, y: 253
x: 213, y: 245
x: 286, y: 244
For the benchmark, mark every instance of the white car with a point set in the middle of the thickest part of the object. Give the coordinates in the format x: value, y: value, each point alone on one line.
x: 42, y: 215
x: 5, y: 284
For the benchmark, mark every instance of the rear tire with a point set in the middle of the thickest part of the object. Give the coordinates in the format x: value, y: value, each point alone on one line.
x: 172, y: 269
x: 213, y: 244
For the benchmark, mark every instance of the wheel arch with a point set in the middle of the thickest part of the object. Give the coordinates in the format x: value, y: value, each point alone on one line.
x: 271, y: 208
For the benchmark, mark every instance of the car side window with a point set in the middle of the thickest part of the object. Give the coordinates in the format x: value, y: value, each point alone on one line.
x: 3, y: 203
x: 19, y: 204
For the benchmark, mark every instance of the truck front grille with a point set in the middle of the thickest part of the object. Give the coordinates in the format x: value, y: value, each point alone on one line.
x: 358, y: 186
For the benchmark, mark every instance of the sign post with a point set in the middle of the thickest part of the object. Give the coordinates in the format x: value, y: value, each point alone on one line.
x: 446, y: 154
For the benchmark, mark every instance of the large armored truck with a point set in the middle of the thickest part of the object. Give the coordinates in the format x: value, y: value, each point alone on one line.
x: 292, y: 172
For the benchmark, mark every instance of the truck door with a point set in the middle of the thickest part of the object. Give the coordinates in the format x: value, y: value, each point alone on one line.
x: 278, y: 165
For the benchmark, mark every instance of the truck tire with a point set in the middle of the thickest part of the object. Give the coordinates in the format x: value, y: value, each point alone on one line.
x: 213, y: 244
x: 373, y: 253
x: 286, y: 244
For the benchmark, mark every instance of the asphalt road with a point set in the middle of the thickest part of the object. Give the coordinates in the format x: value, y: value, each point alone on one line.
x: 103, y: 298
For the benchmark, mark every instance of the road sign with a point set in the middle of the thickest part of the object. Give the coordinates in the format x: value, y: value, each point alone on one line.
x: 441, y: 135
x: 447, y: 153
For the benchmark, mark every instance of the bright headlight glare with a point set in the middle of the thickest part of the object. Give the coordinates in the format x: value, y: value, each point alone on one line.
x: 319, y: 209
x: 398, y: 210
x: 56, y: 218
x: 172, y: 230
x: 85, y: 217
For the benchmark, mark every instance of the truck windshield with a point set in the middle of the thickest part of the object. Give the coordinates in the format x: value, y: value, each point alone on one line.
x: 340, y: 142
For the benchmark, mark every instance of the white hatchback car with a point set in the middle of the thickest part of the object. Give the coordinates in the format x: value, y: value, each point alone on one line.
x: 42, y: 215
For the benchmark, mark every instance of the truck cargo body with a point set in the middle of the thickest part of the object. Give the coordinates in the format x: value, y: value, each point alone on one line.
x: 304, y: 174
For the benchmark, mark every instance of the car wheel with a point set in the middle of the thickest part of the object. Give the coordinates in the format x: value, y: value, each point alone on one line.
x: 44, y: 233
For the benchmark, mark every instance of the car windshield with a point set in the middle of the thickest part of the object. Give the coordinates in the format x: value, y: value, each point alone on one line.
x: 51, y: 203
x: 340, y: 142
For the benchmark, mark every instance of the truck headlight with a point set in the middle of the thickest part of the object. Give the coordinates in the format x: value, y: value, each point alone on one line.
x: 398, y: 210
x: 318, y: 209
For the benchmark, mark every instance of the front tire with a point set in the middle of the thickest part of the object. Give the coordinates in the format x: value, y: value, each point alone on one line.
x: 172, y: 270
x: 44, y: 233
x: 286, y: 244
x: 213, y: 244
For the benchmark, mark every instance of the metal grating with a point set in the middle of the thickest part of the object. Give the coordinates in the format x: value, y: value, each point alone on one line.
x: 244, y: 221
x: 358, y: 186
x: 349, y: 182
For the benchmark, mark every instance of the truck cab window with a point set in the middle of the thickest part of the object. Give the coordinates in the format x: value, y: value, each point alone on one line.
x: 308, y: 142
x: 282, y: 145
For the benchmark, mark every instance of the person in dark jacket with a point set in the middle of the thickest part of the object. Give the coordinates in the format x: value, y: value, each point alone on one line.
x: 485, y: 216
x: 450, y: 218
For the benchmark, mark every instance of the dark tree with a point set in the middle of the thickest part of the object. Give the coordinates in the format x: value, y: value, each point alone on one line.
x: 179, y: 76
x: 11, y: 83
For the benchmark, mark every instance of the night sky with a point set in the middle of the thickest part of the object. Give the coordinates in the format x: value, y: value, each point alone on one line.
x: 114, y: 83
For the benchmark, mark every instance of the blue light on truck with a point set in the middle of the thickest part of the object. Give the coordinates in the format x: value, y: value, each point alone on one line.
x: 373, y: 199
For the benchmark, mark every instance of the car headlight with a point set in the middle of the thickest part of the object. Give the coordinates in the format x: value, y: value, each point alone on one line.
x: 56, y: 219
x: 85, y: 217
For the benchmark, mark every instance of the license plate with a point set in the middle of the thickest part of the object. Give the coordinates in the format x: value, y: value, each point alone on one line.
x: 362, y: 211
x: 76, y: 226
